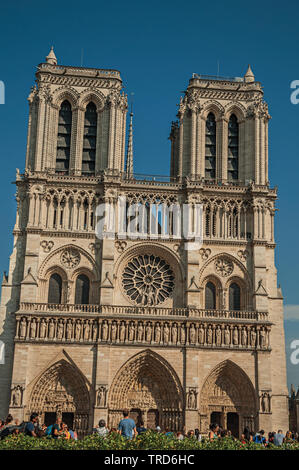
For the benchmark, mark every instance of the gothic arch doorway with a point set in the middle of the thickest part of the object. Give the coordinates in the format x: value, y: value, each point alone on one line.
x: 149, y: 387
x: 228, y: 398
x: 61, y: 392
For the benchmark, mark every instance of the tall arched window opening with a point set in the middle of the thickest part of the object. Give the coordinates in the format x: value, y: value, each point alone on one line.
x: 233, y: 149
x: 210, y: 296
x: 55, y: 289
x: 234, y: 297
x: 82, y: 290
x: 64, y: 138
x: 89, y: 139
x: 210, y: 149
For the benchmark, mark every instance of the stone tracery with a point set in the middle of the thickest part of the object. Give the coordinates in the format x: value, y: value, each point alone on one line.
x: 148, y: 280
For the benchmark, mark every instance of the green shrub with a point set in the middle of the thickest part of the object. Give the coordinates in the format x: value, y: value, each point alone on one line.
x: 146, y: 441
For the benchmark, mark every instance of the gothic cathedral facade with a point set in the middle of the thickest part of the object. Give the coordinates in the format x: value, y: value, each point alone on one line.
x: 92, y: 325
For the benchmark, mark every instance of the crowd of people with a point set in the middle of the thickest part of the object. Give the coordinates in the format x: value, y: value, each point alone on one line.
x: 34, y: 428
x: 129, y: 430
x: 276, y: 438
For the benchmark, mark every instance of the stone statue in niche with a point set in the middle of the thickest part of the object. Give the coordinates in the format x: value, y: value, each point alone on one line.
x: 23, y: 328
x: 104, y: 331
x: 218, y: 336
x: 166, y: 334
x: 201, y: 335
x: 253, y: 337
x: 131, y: 331
x: 192, y: 334
x: 174, y: 334
x: 94, y: 331
x: 113, y: 331
x: 157, y: 333
x: 42, y: 330
x: 209, y: 335
x: 148, y: 332
x: 192, y: 399
x: 51, y: 329
x: 244, y: 337
x: 60, y: 330
x: 101, y: 396
x: 33, y: 329
x: 86, y: 331
x: 140, y: 332
x: 227, y: 336
x: 183, y: 334
x: 122, y: 332
x: 69, y: 330
x: 16, y: 396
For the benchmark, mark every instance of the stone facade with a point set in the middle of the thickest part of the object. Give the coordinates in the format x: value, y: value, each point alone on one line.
x: 91, y: 325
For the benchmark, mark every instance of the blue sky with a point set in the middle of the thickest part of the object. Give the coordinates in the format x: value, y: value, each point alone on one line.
x: 157, y: 46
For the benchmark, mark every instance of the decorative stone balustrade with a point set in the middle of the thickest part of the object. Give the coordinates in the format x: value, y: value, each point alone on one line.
x: 142, y: 311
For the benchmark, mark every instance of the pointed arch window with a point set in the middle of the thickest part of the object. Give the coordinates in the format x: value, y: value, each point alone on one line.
x: 64, y: 138
x: 89, y: 139
x: 82, y: 289
x: 233, y: 149
x: 210, y: 296
x: 210, y: 149
x: 55, y: 289
x: 234, y: 297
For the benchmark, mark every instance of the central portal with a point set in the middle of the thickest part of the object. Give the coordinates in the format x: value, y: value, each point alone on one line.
x: 150, y: 388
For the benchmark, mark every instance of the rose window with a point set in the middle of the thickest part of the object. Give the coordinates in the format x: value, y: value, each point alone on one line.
x: 148, y: 280
x: 70, y: 258
x: 224, y: 267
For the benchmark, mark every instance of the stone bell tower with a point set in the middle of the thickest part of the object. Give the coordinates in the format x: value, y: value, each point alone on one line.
x: 136, y: 320
x: 219, y: 146
x: 76, y: 134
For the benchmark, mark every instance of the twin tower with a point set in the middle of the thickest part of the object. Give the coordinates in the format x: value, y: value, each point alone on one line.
x: 91, y: 326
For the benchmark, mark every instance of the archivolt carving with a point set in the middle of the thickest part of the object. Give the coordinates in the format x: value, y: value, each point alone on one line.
x: 60, y: 388
x: 228, y: 386
x: 212, y: 106
x: 55, y: 259
x: 238, y: 268
x: 146, y: 381
x: 235, y: 108
x: 93, y: 95
x: 65, y: 93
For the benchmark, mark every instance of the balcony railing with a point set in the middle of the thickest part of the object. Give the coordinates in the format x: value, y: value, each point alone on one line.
x: 116, y: 310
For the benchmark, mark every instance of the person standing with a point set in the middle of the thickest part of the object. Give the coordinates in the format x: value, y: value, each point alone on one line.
x: 56, y: 428
x: 141, y: 428
x: 31, y: 426
x: 102, y: 429
x: 127, y: 426
x: 278, y: 438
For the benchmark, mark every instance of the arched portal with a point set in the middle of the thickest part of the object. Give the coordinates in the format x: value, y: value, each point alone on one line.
x: 149, y: 387
x: 228, y: 397
x: 61, y: 391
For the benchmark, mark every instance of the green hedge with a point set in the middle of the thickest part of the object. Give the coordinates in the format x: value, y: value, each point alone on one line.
x: 147, y: 441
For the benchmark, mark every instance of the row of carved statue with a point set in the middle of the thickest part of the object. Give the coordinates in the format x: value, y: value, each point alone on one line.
x: 142, y: 331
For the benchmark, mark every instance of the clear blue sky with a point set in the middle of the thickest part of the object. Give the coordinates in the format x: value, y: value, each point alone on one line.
x: 157, y: 46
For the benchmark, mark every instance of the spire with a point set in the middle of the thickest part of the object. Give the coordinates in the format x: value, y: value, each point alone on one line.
x: 129, y: 162
x: 293, y: 391
x: 51, y: 58
x: 249, y: 77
